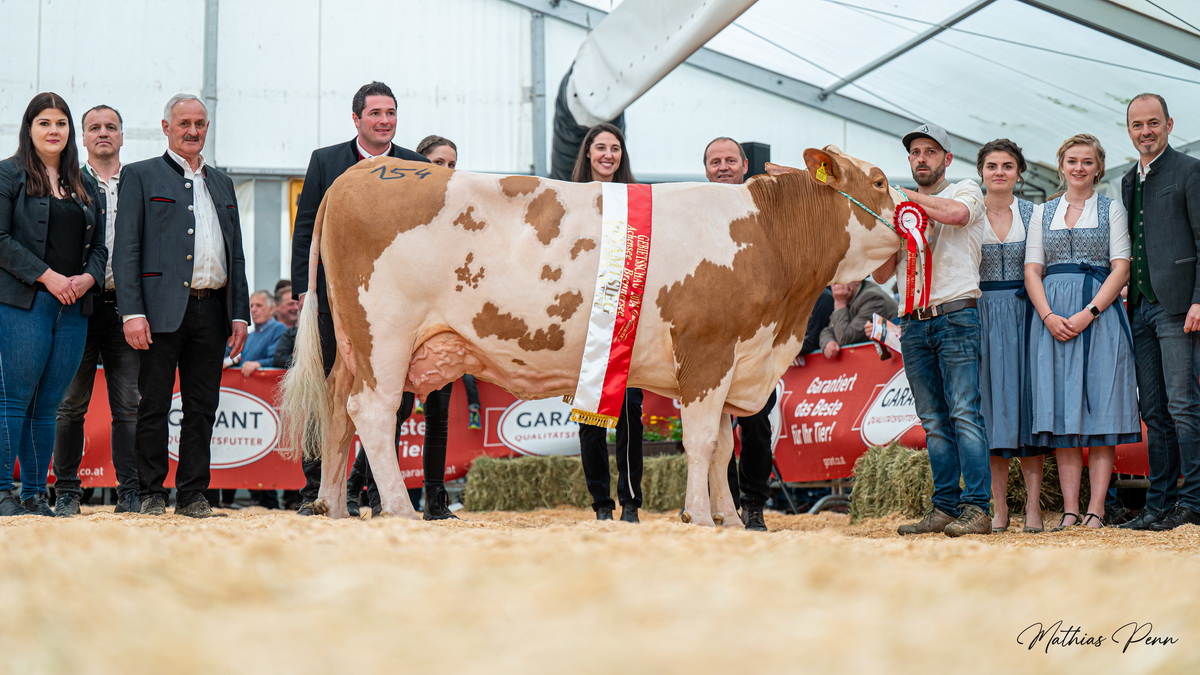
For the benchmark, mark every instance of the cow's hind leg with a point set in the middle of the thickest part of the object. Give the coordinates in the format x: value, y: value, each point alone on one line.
x: 374, y: 414
x: 339, y: 434
x: 724, y: 509
x: 701, y: 427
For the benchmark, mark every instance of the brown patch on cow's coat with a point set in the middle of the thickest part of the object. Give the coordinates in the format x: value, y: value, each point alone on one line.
x: 518, y: 362
x: 515, y: 186
x: 363, y: 214
x: 784, y: 263
x: 582, y: 245
x: 489, y: 322
x: 600, y: 203
x: 551, y: 273
x: 467, y: 222
x: 545, y: 214
x: 465, y: 276
x: 565, y: 305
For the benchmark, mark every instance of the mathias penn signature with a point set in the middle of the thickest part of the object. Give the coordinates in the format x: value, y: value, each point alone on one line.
x: 1054, y: 635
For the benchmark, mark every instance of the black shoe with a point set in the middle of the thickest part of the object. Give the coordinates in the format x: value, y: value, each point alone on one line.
x: 754, y: 518
x: 198, y: 509
x: 306, y: 509
x: 377, y: 510
x: 437, y: 505
x: 1180, y: 515
x: 154, y: 505
x: 1142, y: 522
x: 66, y: 505
x: 38, y: 506
x: 352, y: 508
x: 604, y: 513
x: 11, y: 506
x: 629, y: 513
x: 127, y: 504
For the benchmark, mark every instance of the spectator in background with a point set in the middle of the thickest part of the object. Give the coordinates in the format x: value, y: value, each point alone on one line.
x: 1003, y: 385
x: 287, y: 308
x: 52, y: 254
x: 602, y: 157
x: 103, y: 138
x: 260, y: 343
x: 817, y: 322
x: 853, y: 305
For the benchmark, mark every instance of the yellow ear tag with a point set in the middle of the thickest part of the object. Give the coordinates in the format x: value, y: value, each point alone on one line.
x: 822, y: 174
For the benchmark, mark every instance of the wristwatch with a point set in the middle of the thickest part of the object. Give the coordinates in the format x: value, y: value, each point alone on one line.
x: 1093, y: 309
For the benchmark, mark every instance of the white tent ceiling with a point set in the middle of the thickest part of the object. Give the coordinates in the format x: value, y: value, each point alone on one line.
x: 1009, y: 69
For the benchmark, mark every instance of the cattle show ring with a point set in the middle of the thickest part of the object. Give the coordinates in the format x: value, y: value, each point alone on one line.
x: 561, y: 291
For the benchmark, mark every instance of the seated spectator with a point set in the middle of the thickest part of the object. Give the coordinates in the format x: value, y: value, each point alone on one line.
x: 853, y: 305
x: 260, y: 343
x: 287, y: 308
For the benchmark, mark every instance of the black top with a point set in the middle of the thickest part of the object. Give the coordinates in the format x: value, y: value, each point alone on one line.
x: 65, y: 238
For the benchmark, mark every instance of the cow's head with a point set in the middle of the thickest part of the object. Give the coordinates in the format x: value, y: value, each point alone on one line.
x: 871, y: 241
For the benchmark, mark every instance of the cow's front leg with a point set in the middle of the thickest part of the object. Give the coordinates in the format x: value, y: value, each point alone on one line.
x: 724, y: 506
x: 701, y: 421
x: 374, y: 415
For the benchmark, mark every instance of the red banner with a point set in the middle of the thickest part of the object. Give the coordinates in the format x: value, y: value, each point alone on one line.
x: 829, y: 413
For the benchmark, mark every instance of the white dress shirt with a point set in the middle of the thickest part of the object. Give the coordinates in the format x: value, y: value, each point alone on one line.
x: 1119, y: 245
x: 956, y: 250
x: 208, y: 269
x: 109, y: 188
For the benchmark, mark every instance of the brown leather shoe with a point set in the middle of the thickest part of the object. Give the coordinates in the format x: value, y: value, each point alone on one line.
x: 971, y: 520
x: 935, y: 520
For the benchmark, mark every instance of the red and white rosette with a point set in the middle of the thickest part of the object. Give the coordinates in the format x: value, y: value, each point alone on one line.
x: 911, y: 222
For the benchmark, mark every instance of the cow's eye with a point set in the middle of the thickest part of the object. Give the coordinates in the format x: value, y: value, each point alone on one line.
x: 879, y: 184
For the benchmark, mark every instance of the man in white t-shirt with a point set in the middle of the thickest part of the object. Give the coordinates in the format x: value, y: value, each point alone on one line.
x: 941, y: 342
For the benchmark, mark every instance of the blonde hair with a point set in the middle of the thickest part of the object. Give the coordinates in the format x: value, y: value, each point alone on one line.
x: 1080, y: 139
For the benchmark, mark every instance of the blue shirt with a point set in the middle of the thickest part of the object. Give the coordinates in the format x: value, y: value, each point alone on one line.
x: 260, y: 345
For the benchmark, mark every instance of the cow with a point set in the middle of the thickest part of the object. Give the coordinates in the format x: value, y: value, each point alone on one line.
x: 433, y: 273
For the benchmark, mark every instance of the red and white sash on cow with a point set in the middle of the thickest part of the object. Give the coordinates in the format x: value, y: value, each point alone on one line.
x: 912, y: 221
x: 612, y: 326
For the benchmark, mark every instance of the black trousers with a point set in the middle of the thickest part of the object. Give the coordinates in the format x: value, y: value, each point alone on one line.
x: 753, y: 476
x: 593, y: 450
x: 197, y: 350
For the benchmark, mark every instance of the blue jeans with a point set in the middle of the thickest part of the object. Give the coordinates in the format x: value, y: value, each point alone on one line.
x: 941, y: 360
x: 1168, y: 377
x: 40, y: 349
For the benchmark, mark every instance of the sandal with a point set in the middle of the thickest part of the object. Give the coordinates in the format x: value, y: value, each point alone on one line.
x: 1005, y: 528
x: 1061, y: 523
x: 1033, y: 530
x: 1088, y: 517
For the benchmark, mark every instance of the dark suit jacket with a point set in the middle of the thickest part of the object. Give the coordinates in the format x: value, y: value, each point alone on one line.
x: 23, y: 227
x: 1171, y: 220
x: 324, y: 167
x: 155, y: 240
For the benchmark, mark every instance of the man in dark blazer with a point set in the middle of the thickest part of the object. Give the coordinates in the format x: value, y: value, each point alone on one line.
x: 181, y: 291
x: 373, y: 111
x: 1162, y: 195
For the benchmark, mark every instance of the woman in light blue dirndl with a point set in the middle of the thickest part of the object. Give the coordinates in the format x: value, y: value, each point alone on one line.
x: 1080, y: 359
x: 1004, y: 316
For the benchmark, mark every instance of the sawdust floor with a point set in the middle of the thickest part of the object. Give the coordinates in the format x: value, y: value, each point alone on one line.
x: 556, y: 592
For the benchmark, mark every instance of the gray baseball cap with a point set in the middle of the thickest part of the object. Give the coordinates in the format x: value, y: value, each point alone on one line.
x: 931, y: 131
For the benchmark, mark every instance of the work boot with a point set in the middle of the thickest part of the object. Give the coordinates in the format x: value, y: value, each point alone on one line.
x: 11, y: 506
x: 1179, y: 515
x: 38, y: 506
x: 66, y: 505
x: 154, y: 505
x: 971, y: 520
x: 629, y: 513
x: 1144, y: 521
x: 753, y: 515
x: 935, y: 520
x: 604, y: 513
x: 128, y: 503
x: 198, y: 509
x: 437, y: 505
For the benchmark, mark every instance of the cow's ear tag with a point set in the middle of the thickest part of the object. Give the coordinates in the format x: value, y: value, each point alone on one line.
x: 823, y: 173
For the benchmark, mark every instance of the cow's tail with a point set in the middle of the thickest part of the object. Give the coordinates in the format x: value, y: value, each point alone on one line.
x: 306, y: 400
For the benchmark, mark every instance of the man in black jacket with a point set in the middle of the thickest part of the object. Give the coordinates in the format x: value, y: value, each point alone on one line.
x: 1162, y: 195
x: 373, y: 111
x: 180, y: 278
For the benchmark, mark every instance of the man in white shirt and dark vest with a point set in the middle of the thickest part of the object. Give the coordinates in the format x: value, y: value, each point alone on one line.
x: 181, y: 290
x: 941, y: 341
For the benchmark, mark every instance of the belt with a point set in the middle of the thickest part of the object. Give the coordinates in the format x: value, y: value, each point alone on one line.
x: 202, y: 293
x: 109, y: 296
x: 934, y: 312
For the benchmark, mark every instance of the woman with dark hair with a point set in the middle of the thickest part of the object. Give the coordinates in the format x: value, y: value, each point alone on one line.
x: 602, y: 157
x: 439, y: 150
x: 1080, y: 348
x: 1004, y: 394
x: 52, y: 253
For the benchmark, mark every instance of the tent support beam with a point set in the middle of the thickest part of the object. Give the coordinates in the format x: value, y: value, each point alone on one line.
x: 1125, y: 24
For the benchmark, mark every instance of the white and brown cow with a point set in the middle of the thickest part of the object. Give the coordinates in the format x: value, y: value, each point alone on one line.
x: 434, y: 273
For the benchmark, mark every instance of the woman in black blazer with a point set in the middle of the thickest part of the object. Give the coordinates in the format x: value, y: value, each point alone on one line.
x: 51, y: 255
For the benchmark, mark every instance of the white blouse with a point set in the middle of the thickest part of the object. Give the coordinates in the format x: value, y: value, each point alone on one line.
x: 1119, y: 245
x: 1015, y: 233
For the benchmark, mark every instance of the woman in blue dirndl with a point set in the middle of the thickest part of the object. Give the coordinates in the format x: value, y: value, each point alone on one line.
x: 1004, y: 316
x: 1080, y: 359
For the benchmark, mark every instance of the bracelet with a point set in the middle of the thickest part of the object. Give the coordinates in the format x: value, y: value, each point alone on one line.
x: 1047, y: 314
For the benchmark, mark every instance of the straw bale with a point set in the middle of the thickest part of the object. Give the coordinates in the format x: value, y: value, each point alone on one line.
x: 528, y: 483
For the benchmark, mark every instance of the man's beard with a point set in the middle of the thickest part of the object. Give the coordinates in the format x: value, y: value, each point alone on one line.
x: 934, y: 177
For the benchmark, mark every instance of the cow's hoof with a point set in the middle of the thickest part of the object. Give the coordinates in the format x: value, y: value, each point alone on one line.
x: 320, y: 508
x: 685, y: 516
x: 719, y: 518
